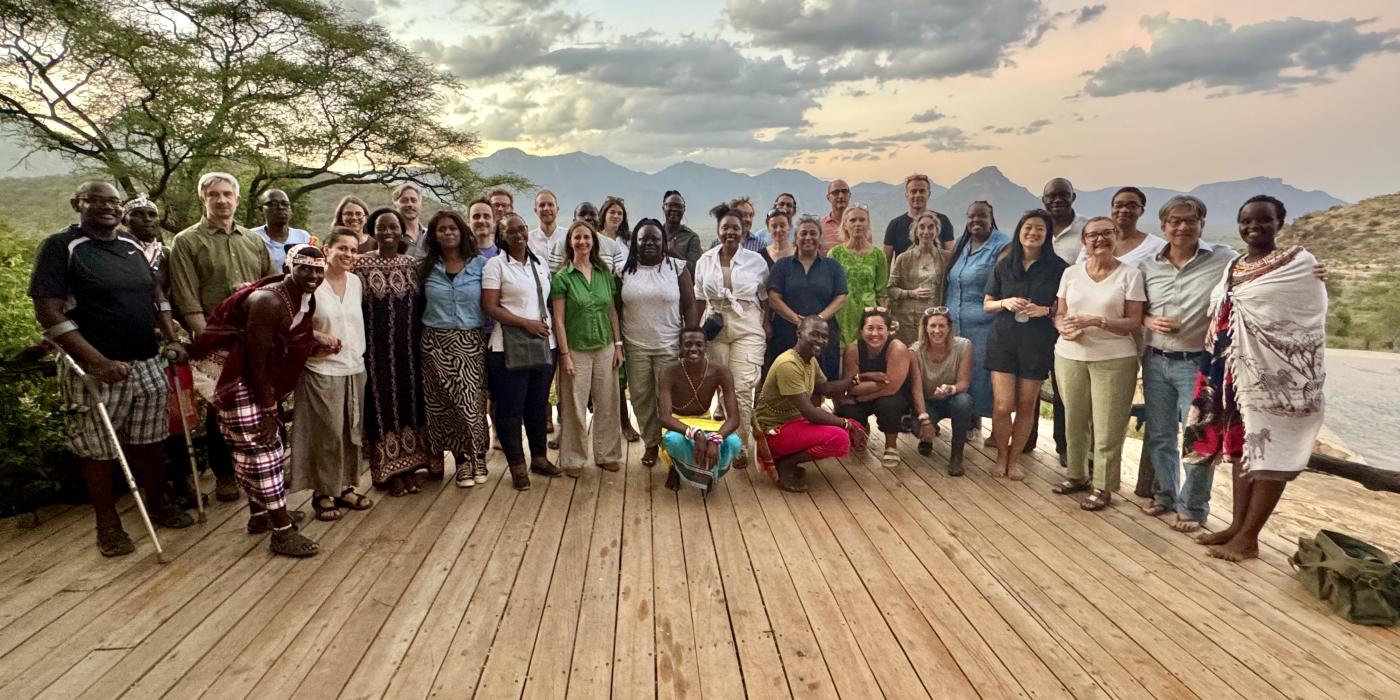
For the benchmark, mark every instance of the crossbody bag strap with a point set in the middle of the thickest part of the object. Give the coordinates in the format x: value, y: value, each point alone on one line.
x: 539, y: 291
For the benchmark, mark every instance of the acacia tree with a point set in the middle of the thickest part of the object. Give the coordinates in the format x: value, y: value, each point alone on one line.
x: 285, y: 93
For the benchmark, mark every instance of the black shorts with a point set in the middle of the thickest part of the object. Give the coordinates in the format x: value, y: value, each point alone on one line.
x: 1026, y: 355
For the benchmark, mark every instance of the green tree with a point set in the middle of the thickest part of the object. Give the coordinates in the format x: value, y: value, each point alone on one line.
x: 285, y: 93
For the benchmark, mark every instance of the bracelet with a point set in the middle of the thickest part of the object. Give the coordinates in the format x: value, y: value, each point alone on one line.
x: 689, y: 432
x: 163, y: 307
x: 60, y: 328
x: 715, y: 438
x: 617, y: 343
x: 923, y: 416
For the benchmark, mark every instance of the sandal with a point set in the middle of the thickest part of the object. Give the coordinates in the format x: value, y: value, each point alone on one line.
x: 1067, y: 487
x: 649, y: 457
x: 258, y: 522
x: 289, y: 542
x: 326, y: 508
x: 1098, y: 500
x: 360, y: 502
x: 1155, y: 509
x: 890, y: 459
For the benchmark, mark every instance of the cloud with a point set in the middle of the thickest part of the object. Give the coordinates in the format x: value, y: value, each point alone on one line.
x: 1089, y: 13
x: 1276, y: 55
x: 931, y: 115
x: 508, y: 49
x: 686, y: 66
x: 885, y: 39
x: 1034, y: 127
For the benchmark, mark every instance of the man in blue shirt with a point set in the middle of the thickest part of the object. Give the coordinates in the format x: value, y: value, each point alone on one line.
x: 277, y: 232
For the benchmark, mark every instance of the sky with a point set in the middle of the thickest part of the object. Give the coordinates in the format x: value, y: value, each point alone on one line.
x: 1146, y: 92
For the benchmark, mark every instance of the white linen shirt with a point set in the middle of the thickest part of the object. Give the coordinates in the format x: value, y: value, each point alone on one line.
x: 518, y: 293
x: 344, y: 319
x: 542, y: 245
x: 748, y: 275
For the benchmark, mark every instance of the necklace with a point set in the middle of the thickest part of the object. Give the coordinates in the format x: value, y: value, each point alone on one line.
x: 694, y: 386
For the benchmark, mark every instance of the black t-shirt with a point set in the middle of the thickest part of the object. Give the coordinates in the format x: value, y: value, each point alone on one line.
x: 109, y: 289
x: 897, y: 232
x: 1040, y: 283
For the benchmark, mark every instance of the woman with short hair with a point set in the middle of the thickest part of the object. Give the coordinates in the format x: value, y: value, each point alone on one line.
x: 514, y: 286
x: 656, y: 301
x: 1096, y: 360
x: 942, y: 372
x: 918, y: 276
x: 779, y: 226
x: 454, y: 348
x: 582, y: 295
x: 1133, y: 246
x: 393, y: 305
x: 806, y: 283
x: 329, y: 399
x: 975, y: 254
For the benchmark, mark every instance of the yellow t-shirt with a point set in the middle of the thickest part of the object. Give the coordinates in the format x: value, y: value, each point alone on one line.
x: 787, y: 377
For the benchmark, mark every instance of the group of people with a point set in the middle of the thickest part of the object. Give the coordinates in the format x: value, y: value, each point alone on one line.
x: 405, y: 343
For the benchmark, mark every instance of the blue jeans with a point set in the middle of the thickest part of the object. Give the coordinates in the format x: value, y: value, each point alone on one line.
x: 1167, y: 388
x: 958, y: 408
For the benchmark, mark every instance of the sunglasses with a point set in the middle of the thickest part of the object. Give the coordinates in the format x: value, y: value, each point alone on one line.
x: 880, y: 309
x: 935, y: 311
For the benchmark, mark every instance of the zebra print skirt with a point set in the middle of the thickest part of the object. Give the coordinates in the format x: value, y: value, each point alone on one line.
x: 454, y: 393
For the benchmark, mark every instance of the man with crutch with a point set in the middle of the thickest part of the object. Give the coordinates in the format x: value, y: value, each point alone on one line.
x: 96, y: 299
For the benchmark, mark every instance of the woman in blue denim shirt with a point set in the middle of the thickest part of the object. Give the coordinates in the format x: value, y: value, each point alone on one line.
x: 976, y: 253
x: 454, y: 349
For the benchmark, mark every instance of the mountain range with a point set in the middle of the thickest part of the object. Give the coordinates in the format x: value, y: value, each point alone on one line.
x: 577, y: 177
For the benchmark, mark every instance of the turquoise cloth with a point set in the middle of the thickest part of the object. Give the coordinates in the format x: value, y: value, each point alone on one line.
x: 682, y: 453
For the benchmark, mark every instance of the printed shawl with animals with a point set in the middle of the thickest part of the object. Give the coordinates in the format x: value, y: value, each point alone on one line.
x: 1259, y: 393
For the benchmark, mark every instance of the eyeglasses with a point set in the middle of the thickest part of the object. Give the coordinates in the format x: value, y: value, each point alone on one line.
x: 935, y: 311
x: 1100, y: 234
x: 858, y: 205
x: 1179, y: 221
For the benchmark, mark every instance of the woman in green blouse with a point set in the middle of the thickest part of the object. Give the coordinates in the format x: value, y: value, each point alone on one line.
x: 867, y: 270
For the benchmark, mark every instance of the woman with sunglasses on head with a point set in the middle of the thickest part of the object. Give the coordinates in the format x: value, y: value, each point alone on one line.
x: 1020, y: 350
x: 918, y: 276
x: 867, y: 269
x: 942, y: 374
x: 877, y: 366
x: 1096, y: 360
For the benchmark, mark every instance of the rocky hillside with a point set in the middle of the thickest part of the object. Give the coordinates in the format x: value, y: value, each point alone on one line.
x: 1365, y: 233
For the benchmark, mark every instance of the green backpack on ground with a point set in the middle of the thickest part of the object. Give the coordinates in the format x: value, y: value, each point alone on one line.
x: 1361, y: 582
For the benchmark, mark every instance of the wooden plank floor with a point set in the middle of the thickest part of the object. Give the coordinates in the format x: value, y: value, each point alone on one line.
x: 900, y: 582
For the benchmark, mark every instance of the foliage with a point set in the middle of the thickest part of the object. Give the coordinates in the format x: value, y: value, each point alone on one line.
x: 33, y: 446
x: 1368, y: 316
x: 283, y: 93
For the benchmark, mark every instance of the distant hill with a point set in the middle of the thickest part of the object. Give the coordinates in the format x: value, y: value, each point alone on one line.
x: 1365, y: 233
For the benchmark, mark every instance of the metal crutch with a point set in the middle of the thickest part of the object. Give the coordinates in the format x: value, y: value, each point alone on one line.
x: 189, y: 441
x: 126, y: 468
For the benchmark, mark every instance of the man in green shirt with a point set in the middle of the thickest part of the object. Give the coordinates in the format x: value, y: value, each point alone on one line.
x: 208, y: 262
x: 789, y: 414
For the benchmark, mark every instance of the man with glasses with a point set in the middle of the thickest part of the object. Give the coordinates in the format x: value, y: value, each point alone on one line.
x: 838, y: 194
x: 277, y: 232
x: 898, y: 234
x: 95, y: 297
x: 1179, y: 282
x: 502, y: 202
x: 208, y: 262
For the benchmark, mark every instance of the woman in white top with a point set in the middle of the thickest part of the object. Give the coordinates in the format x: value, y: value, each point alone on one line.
x: 514, y: 287
x: 731, y: 282
x: 1132, y: 246
x: 658, y: 298
x: 330, y: 394
x: 1096, y: 359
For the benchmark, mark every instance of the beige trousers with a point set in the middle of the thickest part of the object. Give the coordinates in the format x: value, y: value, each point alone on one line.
x: 593, y: 376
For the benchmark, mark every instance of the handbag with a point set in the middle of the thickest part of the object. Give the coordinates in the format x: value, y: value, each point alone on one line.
x: 525, y: 350
x: 713, y: 325
x: 1358, y: 580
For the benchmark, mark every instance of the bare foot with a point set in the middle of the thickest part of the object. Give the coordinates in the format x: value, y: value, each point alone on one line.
x: 1185, y: 525
x: 999, y: 471
x: 1236, y: 550
x: 1214, y: 538
x: 1015, y: 473
x: 649, y: 456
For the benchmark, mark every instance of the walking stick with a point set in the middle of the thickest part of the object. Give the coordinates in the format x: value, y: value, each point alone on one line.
x: 126, y: 468
x: 189, y: 440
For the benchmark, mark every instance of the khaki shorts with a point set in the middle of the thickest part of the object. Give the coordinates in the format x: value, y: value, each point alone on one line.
x: 137, y: 407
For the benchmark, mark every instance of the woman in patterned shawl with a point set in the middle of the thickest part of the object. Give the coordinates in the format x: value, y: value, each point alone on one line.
x: 1258, y: 396
x: 394, y: 418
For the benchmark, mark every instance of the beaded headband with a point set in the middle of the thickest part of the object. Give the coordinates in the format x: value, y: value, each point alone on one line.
x: 295, y: 257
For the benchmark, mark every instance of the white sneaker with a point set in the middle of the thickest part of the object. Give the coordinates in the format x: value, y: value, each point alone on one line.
x: 464, y: 478
x: 480, y: 474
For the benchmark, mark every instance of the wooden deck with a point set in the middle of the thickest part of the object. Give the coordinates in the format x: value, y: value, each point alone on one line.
x: 901, y: 583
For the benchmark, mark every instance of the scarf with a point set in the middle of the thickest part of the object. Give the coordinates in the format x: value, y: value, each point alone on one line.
x: 223, y: 336
x: 1277, y: 331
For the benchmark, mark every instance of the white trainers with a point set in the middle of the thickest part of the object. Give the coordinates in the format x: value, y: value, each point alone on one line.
x: 480, y: 474
x: 464, y: 478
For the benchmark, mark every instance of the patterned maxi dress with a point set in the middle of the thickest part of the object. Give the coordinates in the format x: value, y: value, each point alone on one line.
x: 395, y: 442
x: 867, y: 275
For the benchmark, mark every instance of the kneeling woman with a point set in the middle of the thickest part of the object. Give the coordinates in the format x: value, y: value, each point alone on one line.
x: 792, y: 424
x: 943, y: 368
x: 877, y: 366
x: 330, y: 394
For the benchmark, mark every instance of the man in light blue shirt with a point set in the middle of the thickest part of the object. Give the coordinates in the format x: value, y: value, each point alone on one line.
x: 277, y: 232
